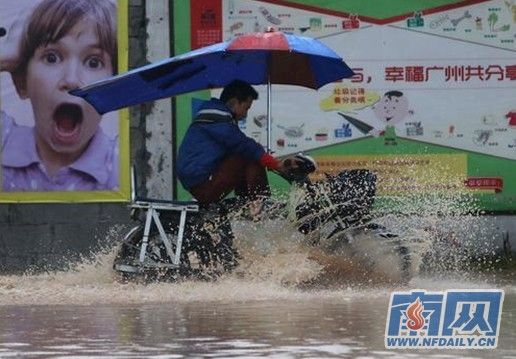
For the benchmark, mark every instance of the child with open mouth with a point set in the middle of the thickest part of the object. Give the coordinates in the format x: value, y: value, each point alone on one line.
x: 62, y: 45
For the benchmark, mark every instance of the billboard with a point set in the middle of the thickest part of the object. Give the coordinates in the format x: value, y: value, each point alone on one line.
x: 55, y: 147
x: 431, y: 108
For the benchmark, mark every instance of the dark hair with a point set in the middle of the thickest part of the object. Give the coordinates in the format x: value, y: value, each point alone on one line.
x: 51, y: 20
x: 238, y: 89
x: 393, y: 93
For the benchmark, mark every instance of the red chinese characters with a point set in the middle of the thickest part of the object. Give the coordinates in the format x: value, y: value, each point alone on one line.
x: 351, y: 23
x: 492, y: 183
x: 450, y: 73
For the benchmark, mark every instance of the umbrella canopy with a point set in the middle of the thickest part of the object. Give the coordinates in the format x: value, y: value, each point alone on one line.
x: 257, y: 58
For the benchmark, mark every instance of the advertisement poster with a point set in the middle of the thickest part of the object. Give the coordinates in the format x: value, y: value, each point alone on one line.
x: 432, y: 105
x: 55, y: 146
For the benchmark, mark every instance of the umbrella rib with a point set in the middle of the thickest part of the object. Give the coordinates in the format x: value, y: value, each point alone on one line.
x: 262, y: 58
x: 181, y: 77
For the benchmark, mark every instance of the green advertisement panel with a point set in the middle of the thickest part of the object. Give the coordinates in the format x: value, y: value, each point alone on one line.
x: 431, y: 108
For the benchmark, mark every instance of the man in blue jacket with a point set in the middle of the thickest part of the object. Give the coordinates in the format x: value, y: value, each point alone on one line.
x: 215, y: 157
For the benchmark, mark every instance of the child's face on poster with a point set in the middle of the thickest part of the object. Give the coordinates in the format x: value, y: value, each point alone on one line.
x: 65, y: 123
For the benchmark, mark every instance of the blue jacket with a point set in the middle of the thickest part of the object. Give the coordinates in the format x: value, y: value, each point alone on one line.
x: 213, y: 135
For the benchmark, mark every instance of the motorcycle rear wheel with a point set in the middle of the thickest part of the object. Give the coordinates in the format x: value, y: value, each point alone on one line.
x: 200, y: 258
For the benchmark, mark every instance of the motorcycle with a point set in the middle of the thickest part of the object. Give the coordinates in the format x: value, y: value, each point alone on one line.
x: 180, y: 240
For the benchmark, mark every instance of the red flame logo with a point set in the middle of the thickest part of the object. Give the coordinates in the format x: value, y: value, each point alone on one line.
x: 415, y: 315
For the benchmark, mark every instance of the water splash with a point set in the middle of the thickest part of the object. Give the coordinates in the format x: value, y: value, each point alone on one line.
x: 277, y: 265
x: 261, y: 278
x: 445, y: 233
x: 281, y: 263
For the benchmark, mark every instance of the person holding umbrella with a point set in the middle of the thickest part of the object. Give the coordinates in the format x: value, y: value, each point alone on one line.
x: 216, y: 157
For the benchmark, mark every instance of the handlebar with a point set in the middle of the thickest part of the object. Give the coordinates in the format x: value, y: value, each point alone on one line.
x: 296, y: 168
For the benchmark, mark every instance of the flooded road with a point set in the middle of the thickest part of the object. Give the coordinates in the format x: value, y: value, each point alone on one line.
x: 264, y: 309
x: 86, y: 314
x: 347, y: 327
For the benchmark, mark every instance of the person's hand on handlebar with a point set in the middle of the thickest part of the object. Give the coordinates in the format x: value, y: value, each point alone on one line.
x: 292, y: 168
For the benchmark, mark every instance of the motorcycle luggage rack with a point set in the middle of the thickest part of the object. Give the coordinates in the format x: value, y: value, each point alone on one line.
x: 152, y: 207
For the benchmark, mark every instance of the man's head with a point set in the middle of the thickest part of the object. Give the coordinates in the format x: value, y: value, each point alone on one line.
x: 238, y: 96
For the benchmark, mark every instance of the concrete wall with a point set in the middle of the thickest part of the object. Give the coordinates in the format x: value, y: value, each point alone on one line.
x: 50, y: 236
x: 159, y: 142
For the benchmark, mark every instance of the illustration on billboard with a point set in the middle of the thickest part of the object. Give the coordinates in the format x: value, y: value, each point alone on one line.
x: 433, y: 90
x: 410, y: 67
